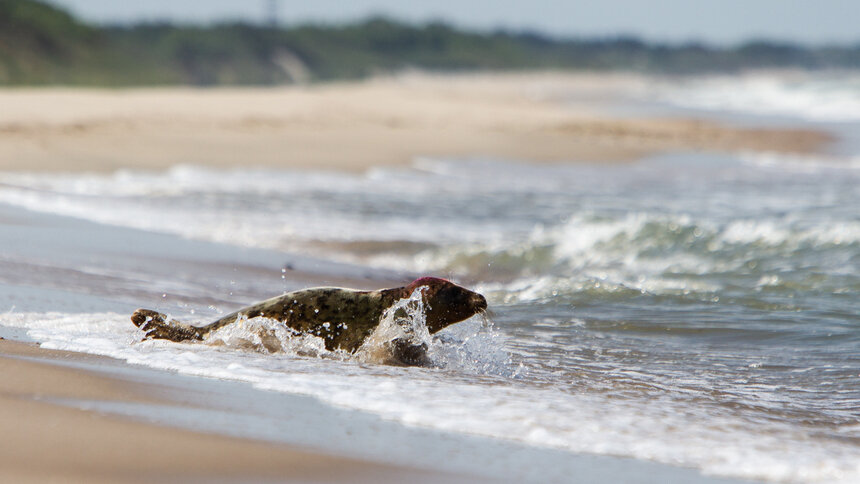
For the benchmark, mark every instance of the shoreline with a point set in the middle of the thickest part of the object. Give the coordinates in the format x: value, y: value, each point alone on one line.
x: 43, y: 414
x: 57, y: 396
x: 128, y: 412
x: 146, y: 425
x: 552, y: 117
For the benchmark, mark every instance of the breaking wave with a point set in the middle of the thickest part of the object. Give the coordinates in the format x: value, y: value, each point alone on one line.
x: 832, y: 96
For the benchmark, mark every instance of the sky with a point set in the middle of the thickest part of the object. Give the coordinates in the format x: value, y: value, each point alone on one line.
x: 722, y: 22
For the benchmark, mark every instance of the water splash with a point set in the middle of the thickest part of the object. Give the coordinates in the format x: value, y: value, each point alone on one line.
x: 402, y: 332
x: 472, y: 346
x: 264, y: 335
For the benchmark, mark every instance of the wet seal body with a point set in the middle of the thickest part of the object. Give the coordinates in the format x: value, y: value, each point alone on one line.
x: 344, y: 318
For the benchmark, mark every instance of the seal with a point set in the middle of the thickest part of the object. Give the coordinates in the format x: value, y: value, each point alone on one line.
x: 344, y: 318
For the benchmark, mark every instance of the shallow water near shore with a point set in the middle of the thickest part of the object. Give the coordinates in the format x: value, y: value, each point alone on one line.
x: 690, y: 309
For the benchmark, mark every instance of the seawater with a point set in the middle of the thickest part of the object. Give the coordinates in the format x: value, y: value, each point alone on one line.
x: 828, y: 96
x: 692, y: 309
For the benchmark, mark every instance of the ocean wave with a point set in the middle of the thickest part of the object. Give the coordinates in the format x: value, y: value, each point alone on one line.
x: 256, y: 208
x: 652, y: 254
x: 831, y: 97
x: 606, y: 251
x: 801, y: 163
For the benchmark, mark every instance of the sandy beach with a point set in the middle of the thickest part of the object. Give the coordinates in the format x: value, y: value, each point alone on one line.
x: 46, y: 442
x: 352, y: 126
x: 52, y: 429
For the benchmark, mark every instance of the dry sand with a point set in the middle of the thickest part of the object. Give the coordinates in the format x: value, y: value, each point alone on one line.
x: 350, y: 125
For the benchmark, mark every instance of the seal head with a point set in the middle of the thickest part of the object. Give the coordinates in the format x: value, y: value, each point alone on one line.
x: 446, y: 303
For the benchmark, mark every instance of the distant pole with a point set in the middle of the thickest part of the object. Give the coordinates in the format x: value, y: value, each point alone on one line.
x: 272, y: 13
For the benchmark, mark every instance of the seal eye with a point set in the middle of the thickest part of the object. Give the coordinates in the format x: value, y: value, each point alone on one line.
x: 451, y: 295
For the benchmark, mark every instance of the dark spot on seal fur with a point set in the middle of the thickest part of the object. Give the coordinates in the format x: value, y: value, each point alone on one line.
x: 344, y: 318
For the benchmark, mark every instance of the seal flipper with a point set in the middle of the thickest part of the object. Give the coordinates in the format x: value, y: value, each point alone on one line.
x: 156, y: 326
x: 405, y: 352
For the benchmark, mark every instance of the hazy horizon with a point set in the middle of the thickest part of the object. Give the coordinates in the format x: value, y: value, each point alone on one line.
x: 724, y: 23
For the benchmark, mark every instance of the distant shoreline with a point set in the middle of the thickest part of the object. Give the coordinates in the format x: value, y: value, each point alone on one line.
x: 351, y: 125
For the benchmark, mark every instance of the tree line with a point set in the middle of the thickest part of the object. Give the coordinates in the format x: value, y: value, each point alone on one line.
x: 43, y: 45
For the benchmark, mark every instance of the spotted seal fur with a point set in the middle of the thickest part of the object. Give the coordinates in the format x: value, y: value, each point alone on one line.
x: 344, y: 318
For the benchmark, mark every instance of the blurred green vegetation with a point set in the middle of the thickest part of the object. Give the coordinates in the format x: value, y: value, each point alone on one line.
x: 43, y: 45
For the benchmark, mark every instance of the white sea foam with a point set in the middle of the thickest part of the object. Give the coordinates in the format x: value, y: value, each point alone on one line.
x: 800, y: 163
x: 252, y: 208
x: 265, y: 335
x: 573, y: 420
x: 833, y: 96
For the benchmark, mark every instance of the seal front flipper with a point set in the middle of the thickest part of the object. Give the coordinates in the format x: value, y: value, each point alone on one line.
x: 406, y: 352
x: 157, y: 326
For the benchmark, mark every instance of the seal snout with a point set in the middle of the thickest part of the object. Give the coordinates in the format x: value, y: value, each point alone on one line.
x: 479, y: 302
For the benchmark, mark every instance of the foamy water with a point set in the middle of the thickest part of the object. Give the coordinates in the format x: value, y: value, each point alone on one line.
x: 696, y: 310
x: 830, y: 97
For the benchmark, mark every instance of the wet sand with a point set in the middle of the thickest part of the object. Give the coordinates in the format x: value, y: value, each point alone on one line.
x: 548, y: 117
x: 44, y: 441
